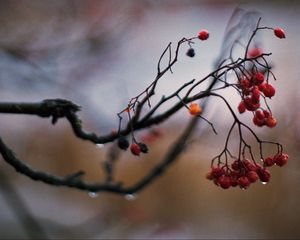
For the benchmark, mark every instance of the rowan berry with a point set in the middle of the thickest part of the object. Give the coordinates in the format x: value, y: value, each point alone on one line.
x: 264, y: 175
x: 242, y: 107
x: 249, y: 165
x: 135, y: 149
x: 281, y: 159
x: 245, y: 83
x: 269, y: 161
x: 243, y: 182
x: 209, y: 175
x: 259, y: 78
x: 190, y: 52
x: 250, y: 105
x: 224, y: 181
x: 143, y: 147
x: 203, y: 35
x: 260, y: 115
x: 236, y: 165
x: 217, y: 172
x: 195, y: 109
x: 234, y: 182
x: 261, y: 87
x: 123, y: 143
x: 255, y: 95
x: 258, y: 122
x: 266, y: 113
x: 271, y: 122
x: 279, y: 32
x: 268, y: 90
x: 254, y: 52
x: 252, y: 176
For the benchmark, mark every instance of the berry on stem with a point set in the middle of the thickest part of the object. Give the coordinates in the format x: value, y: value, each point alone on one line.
x: 135, y: 149
x: 281, y: 159
x: 143, y: 147
x: 243, y: 182
x: 224, y: 181
x: 254, y: 52
x: 279, y: 32
x: 268, y: 90
x: 259, y: 78
x: 203, y: 35
x: 269, y: 161
x: 242, y: 107
x: 195, y: 109
x: 190, y: 52
x: 271, y: 122
x: 123, y: 143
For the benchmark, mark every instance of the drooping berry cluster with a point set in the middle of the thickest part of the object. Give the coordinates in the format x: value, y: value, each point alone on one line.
x: 252, y: 89
x: 253, y: 86
x: 242, y: 173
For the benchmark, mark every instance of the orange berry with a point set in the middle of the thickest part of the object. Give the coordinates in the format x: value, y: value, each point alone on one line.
x: 195, y: 109
x: 271, y: 122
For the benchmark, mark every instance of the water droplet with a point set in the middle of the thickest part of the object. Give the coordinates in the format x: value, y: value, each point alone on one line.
x: 130, y: 197
x: 99, y: 145
x: 93, y: 194
x: 264, y: 183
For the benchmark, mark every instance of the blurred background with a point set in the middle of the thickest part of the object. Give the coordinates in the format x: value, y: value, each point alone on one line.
x: 99, y: 54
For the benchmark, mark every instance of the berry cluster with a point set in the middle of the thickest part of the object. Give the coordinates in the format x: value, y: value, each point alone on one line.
x: 242, y: 173
x: 135, y: 148
x: 251, y: 89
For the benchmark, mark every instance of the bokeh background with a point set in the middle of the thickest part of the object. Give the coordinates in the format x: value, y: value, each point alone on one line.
x: 99, y: 54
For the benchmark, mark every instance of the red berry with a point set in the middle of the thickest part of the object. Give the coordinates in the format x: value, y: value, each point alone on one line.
x: 269, y: 90
x: 266, y: 113
x: 279, y: 32
x: 254, y: 52
x: 271, y: 122
x: 236, y: 165
x: 258, y: 122
x: 243, y: 182
x: 203, y: 34
x: 209, y: 175
x: 259, y: 78
x: 135, y: 149
x: 224, y: 181
x: 281, y: 159
x: 260, y: 115
x: 255, y: 95
x: 261, y: 87
x: 269, y: 161
x: 217, y: 172
x: 250, y: 106
x: 249, y: 165
x: 264, y: 175
x: 252, y: 176
x: 245, y: 83
x: 242, y: 107
x: 233, y: 180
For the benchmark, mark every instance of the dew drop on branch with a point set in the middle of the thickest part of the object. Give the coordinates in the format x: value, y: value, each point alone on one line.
x: 99, y: 145
x: 130, y: 197
x: 93, y: 194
